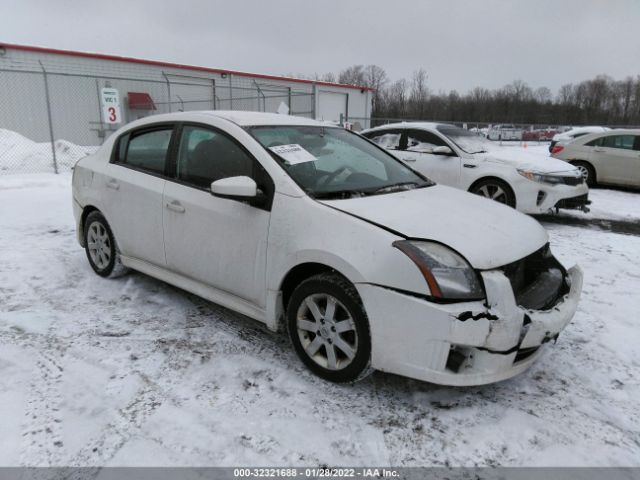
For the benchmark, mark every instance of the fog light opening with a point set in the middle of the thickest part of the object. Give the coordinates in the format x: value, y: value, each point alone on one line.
x: 457, y: 358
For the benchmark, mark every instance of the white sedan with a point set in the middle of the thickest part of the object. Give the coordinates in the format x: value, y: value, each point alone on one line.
x: 458, y: 158
x: 312, y: 228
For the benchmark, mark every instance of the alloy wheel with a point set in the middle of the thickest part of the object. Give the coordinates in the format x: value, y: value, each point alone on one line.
x: 493, y: 192
x: 99, y: 245
x: 584, y: 171
x: 327, y: 331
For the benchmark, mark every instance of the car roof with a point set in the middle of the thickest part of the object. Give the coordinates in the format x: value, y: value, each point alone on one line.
x: 592, y: 129
x: 609, y: 133
x: 418, y: 125
x: 241, y: 118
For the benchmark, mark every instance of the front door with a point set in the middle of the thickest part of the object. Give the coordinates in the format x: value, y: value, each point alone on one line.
x: 217, y: 241
x: 443, y: 169
x: 616, y: 160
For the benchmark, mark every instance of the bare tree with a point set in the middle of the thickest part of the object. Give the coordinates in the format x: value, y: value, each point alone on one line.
x: 419, y: 93
x: 353, y: 75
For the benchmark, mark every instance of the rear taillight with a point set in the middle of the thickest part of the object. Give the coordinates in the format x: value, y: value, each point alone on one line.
x: 557, y: 149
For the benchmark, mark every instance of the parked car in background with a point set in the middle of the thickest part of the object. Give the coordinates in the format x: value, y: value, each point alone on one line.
x: 268, y: 214
x: 538, y: 135
x: 573, y: 133
x: 504, y: 132
x: 611, y: 158
x: 458, y: 158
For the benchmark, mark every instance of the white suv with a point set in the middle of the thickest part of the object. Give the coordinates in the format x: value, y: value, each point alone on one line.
x: 294, y: 223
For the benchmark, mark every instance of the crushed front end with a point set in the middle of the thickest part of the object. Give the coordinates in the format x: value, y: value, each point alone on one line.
x: 528, y: 303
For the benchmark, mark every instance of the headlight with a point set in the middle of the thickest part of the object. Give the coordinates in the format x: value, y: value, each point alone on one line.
x: 541, y: 177
x: 448, y: 275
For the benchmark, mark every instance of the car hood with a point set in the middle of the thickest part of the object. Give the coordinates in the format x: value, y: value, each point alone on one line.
x: 485, y: 232
x: 523, y: 160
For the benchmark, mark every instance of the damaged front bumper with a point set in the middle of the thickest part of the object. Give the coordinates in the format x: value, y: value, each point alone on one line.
x: 470, y: 343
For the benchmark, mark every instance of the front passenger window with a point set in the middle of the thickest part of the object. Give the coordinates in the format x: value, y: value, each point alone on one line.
x: 423, y: 141
x: 205, y: 156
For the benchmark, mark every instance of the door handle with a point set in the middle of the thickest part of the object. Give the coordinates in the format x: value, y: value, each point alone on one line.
x: 175, y: 206
x: 113, y: 184
x: 411, y: 159
x: 598, y: 149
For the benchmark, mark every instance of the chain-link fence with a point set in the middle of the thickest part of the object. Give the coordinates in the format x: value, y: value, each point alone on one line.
x: 50, y: 119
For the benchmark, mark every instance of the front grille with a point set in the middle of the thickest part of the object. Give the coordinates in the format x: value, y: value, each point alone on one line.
x: 574, y: 202
x: 573, y: 181
x: 538, y: 280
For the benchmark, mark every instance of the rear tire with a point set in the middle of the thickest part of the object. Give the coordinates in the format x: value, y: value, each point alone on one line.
x: 329, y: 328
x: 495, y: 189
x: 101, y: 248
x: 587, y: 171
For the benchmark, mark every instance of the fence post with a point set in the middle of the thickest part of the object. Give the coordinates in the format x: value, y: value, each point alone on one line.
x: 168, y: 90
x: 314, y: 90
x: 46, y: 93
x: 101, y: 133
x: 260, y: 93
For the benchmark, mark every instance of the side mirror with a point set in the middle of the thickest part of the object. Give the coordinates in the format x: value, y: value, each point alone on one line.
x: 442, y: 150
x: 240, y: 188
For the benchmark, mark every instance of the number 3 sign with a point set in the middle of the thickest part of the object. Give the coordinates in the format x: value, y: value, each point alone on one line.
x: 110, y: 105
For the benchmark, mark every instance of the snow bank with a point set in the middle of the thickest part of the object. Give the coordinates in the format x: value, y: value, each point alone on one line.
x: 18, y: 154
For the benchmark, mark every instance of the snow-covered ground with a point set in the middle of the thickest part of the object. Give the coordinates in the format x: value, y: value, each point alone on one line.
x: 19, y: 154
x: 132, y: 371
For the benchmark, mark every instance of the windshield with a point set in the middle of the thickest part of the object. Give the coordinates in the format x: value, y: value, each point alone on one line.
x: 468, y: 141
x: 329, y: 162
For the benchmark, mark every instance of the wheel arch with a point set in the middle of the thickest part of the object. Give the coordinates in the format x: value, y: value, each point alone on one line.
x: 85, y: 213
x: 573, y: 162
x: 299, y: 273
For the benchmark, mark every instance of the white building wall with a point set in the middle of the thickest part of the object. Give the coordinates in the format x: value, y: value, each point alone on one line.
x: 74, y: 83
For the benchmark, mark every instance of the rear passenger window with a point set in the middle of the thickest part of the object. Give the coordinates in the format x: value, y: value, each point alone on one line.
x: 148, y: 150
x: 595, y: 143
x: 624, y: 142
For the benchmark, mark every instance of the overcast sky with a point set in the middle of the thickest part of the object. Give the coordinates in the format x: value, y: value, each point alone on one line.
x: 461, y: 44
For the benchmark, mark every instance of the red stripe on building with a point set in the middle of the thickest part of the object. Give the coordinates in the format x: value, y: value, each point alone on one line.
x: 116, y: 58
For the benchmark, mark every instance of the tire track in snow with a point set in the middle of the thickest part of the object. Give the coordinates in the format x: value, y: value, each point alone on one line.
x: 42, y: 430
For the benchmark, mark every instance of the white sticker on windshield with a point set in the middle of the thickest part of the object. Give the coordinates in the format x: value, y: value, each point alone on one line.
x: 293, y: 154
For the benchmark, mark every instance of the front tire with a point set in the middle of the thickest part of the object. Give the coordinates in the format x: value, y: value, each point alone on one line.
x: 100, y: 246
x: 495, y: 189
x: 329, y: 328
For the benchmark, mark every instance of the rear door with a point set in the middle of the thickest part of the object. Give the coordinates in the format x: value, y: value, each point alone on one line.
x: 615, y: 159
x: 132, y: 191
